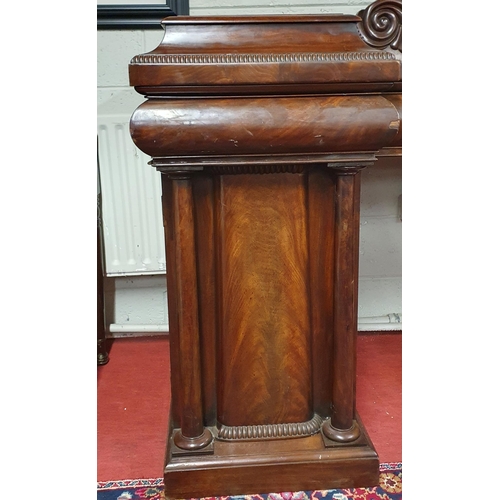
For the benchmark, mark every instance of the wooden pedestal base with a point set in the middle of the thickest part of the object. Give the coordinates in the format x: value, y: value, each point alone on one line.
x: 260, y: 127
x: 258, y: 467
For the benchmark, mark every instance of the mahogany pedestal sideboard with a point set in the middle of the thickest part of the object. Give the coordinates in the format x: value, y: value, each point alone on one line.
x: 260, y: 127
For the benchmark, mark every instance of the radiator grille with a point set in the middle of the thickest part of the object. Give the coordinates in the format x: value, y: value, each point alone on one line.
x: 131, y: 203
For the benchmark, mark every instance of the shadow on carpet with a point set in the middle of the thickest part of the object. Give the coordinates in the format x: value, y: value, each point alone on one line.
x: 389, y: 488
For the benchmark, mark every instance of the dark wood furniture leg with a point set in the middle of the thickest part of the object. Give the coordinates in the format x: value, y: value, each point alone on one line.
x: 102, y: 350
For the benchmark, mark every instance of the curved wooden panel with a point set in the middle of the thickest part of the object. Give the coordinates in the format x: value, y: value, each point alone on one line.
x: 166, y: 127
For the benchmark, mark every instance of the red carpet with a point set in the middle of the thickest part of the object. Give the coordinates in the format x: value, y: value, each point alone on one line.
x: 133, y: 403
x: 378, y: 392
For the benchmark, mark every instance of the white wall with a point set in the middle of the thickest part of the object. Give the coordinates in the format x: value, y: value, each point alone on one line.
x: 380, y: 257
x: 138, y: 300
x: 256, y: 7
x: 141, y: 299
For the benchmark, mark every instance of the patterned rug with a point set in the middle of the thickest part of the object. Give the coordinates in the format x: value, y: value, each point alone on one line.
x: 389, y: 488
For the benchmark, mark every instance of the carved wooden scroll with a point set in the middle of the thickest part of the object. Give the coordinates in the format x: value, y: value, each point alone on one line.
x: 382, y: 24
x: 260, y: 127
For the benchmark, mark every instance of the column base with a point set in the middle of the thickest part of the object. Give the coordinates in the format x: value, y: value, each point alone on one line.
x: 102, y: 352
x: 341, y: 435
x: 192, y: 444
x: 258, y: 467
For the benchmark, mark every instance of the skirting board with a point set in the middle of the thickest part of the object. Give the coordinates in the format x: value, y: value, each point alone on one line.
x: 116, y: 331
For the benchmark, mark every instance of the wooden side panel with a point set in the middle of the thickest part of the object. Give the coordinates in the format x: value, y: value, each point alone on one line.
x: 175, y: 354
x: 321, y: 239
x: 264, y: 372
x: 205, y: 253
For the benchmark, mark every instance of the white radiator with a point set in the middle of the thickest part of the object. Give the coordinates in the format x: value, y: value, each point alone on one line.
x: 131, y: 202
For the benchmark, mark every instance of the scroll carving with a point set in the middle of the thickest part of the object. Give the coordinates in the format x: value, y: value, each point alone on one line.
x: 272, y: 431
x: 382, y: 24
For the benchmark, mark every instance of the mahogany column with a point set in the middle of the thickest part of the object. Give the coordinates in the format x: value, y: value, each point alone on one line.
x: 342, y: 425
x: 183, y: 286
x: 260, y: 127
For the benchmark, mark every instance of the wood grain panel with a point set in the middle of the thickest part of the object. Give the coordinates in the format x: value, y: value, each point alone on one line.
x: 205, y: 253
x: 321, y: 239
x: 264, y: 345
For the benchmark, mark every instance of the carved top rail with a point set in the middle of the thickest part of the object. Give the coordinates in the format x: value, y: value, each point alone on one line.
x: 335, y: 81
x: 275, y: 54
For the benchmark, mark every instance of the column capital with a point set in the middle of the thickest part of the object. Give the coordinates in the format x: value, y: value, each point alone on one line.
x: 175, y: 172
x: 351, y: 165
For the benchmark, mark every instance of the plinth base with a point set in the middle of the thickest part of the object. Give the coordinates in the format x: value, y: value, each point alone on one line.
x: 257, y: 467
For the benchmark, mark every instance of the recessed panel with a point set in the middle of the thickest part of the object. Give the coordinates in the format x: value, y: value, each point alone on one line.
x: 264, y: 366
